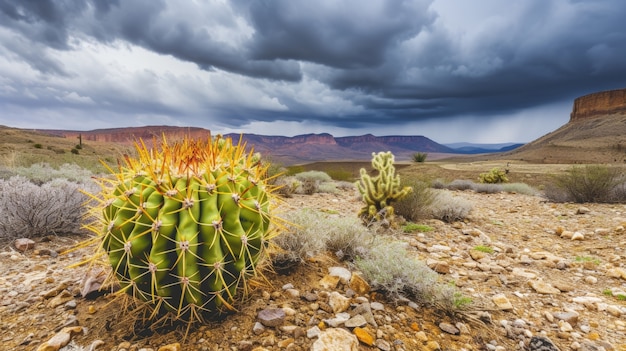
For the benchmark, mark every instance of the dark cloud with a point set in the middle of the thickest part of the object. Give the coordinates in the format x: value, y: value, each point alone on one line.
x: 348, y: 63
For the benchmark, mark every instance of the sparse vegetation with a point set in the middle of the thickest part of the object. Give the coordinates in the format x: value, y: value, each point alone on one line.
x: 414, y: 227
x: 32, y: 210
x: 483, y: 248
x: 415, y: 205
x: 449, y: 208
x: 495, y: 176
x: 591, y: 183
x: 420, y: 157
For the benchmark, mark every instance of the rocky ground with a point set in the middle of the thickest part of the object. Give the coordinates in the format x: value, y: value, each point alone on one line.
x: 557, y: 273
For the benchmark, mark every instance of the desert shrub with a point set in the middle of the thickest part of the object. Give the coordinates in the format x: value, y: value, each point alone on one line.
x: 587, y: 184
x: 415, y: 205
x: 287, y: 185
x: 343, y: 185
x: 519, y: 188
x: 317, y: 176
x: 460, y: 184
x: 420, y: 157
x: 438, y: 184
x: 37, y: 146
x: 328, y: 187
x: 449, y: 208
x: 309, y: 186
x: 75, y: 151
x: 390, y: 267
x: 31, y: 210
x: 310, y: 233
x: 41, y: 173
x: 487, y: 188
x: 495, y: 176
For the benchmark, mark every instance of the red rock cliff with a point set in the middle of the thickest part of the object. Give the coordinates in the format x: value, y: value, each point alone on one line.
x: 597, y: 104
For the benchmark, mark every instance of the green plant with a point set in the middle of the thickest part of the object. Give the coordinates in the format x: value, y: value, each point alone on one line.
x: 420, y: 157
x: 75, y: 151
x: 607, y: 292
x: 381, y: 190
x: 621, y: 297
x: 414, y: 227
x: 591, y: 183
x: 483, y: 248
x: 390, y: 267
x: 449, y: 208
x: 460, y: 301
x: 37, y: 146
x: 415, y: 205
x: 495, y: 176
x: 583, y: 259
x: 185, y: 226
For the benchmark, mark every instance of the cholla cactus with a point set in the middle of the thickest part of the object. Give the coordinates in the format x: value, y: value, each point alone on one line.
x: 381, y: 190
x: 186, y: 225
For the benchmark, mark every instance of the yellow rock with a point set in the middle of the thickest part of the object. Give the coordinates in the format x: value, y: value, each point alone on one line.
x: 359, y: 285
x: 171, y: 347
x: 415, y: 326
x: 593, y: 336
x: 364, y: 336
x: 329, y: 282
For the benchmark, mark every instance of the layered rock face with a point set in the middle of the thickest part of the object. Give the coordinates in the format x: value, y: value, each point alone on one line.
x: 601, y: 103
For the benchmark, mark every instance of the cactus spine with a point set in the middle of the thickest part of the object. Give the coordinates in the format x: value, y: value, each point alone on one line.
x: 381, y: 190
x: 184, y: 226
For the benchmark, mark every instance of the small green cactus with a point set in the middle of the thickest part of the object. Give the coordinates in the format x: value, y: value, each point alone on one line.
x: 495, y: 176
x: 185, y: 226
x: 381, y: 190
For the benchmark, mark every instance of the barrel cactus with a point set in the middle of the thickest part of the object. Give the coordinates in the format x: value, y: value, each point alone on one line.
x: 185, y: 226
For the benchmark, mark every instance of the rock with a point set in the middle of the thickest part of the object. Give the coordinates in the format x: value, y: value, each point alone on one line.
x: 542, y: 287
x: 356, y: 321
x: 502, y: 302
x: 582, y: 210
x: 60, y: 339
x: 62, y: 298
x: 338, y: 302
x: 577, y: 236
x: 23, y: 244
x: 591, y: 280
x: 271, y: 317
x: 170, y: 347
x: 359, y: 285
x: 614, y: 310
x: 329, y: 282
x: 364, y: 336
x: 449, y: 328
x: 343, y: 273
x: 383, y: 345
x: 616, y: 273
x: 338, y: 320
x: 441, y: 267
x: 365, y: 311
x: 258, y: 328
x: 518, y: 272
x: 439, y: 248
x: 541, y: 343
x: 569, y: 317
x: 477, y: 255
x: 333, y: 339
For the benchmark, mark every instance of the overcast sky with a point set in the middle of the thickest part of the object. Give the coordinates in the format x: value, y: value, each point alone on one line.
x: 485, y: 71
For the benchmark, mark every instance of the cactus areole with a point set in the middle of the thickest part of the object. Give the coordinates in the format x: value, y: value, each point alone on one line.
x: 184, y: 225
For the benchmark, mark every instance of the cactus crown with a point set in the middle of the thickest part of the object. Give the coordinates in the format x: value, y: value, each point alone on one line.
x: 184, y: 226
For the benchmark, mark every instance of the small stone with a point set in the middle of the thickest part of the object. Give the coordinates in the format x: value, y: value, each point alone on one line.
x: 477, y: 255
x: 541, y: 343
x: 441, y: 267
x: 616, y: 273
x: 582, y: 210
x: 343, y: 273
x: 335, y: 339
x: 569, y: 317
x: 60, y: 299
x: 364, y: 336
x: 338, y: 320
x: 285, y: 343
x: 591, y: 280
x: 565, y: 327
x: 614, y: 310
x: 23, y: 244
x: 170, y: 347
x: 543, y: 287
x: 449, y: 328
x: 383, y: 345
x: 329, y: 282
x: 433, y: 346
x: 359, y: 285
x: 313, y: 332
x: 271, y: 317
x: 502, y: 302
x: 258, y: 328
x: 577, y: 236
x: 356, y: 321
x: 338, y: 302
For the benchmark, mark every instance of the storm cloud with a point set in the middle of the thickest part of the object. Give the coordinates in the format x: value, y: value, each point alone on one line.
x: 443, y: 68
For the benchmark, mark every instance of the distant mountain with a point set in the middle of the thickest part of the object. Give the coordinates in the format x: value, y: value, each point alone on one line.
x: 471, y: 148
x: 289, y: 150
x: 595, y: 133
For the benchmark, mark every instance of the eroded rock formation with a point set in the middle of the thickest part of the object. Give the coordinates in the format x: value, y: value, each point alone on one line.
x: 597, y: 104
